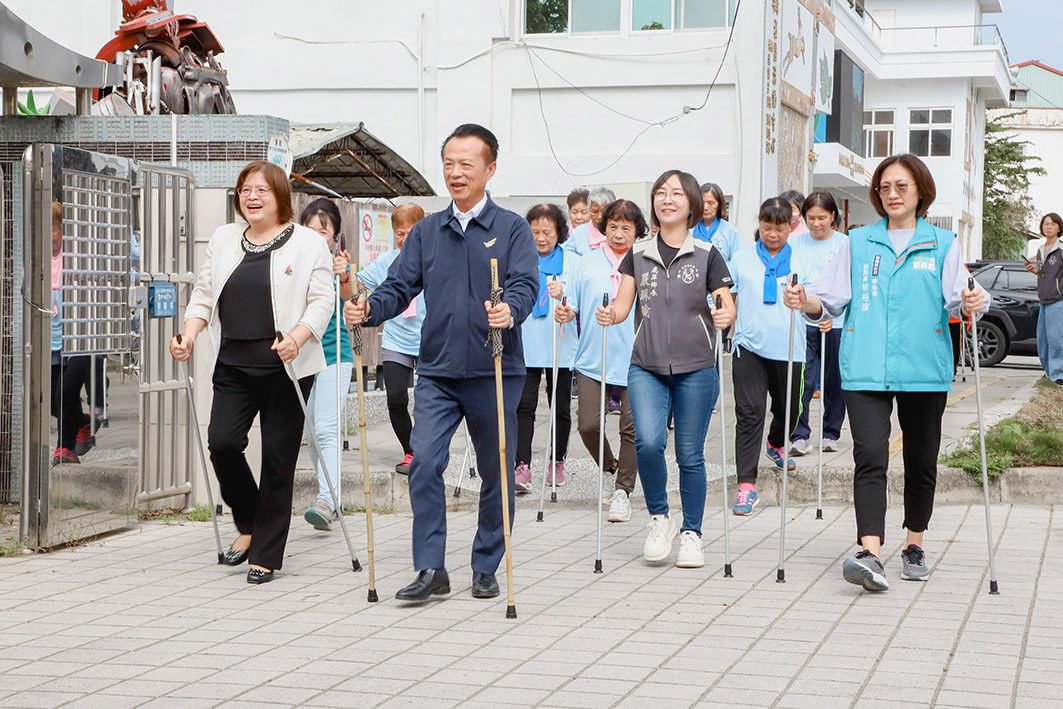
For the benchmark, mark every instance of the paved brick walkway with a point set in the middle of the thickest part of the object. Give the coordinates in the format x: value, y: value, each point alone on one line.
x: 145, y: 618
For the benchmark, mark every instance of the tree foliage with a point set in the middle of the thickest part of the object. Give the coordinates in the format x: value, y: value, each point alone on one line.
x: 1006, y: 203
x: 546, y: 16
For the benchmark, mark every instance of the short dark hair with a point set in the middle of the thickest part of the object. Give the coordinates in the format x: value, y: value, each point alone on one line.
x: 924, y: 182
x: 580, y: 194
x: 693, y: 192
x: 554, y: 214
x: 717, y: 192
x: 474, y: 130
x: 627, y: 211
x: 823, y: 200
x: 793, y: 197
x: 278, y: 184
x: 324, y: 209
x: 775, y: 210
x: 1054, y: 217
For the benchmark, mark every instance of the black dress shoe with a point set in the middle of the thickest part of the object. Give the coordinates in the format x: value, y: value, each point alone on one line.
x: 429, y: 582
x: 234, y: 557
x: 484, y: 585
x: 257, y: 576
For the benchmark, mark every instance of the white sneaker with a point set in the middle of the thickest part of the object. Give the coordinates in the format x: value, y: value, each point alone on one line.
x: 658, y: 545
x: 800, y: 446
x: 830, y: 445
x: 690, y: 554
x: 620, y: 507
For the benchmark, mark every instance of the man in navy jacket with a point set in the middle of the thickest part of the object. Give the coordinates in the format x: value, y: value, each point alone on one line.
x: 447, y: 256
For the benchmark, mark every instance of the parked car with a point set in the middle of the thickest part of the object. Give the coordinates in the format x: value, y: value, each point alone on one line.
x: 1010, y: 326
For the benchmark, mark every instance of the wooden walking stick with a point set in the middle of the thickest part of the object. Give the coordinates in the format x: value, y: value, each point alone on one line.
x: 496, y: 347
x: 356, y: 340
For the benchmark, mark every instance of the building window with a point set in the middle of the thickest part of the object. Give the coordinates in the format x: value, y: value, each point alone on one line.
x: 1019, y: 95
x: 701, y: 14
x: 930, y: 132
x: 545, y: 16
x: 595, y: 15
x: 651, y: 15
x: 560, y: 16
x: 603, y: 16
x: 878, y: 133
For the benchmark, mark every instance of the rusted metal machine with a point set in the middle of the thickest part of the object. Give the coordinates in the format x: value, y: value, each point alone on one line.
x: 169, y: 63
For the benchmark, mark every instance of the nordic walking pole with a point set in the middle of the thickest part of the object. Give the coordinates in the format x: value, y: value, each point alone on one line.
x: 203, y: 458
x: 993, y: 591
x: 357, y: 340
x: 466, y: 462
x: 780, y: 576
x: 551, y: 446
x: 317, y: 451
x: 496, y: 347
x: 723, y: 452
x: 601, y: 446
x: 822, y: 408
x: 341, y: 408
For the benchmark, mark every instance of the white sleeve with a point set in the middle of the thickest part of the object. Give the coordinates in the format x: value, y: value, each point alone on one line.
x: 834, y: 286
x: 954, y: 275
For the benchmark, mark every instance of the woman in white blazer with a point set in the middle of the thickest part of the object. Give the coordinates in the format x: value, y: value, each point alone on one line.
x: 267, y: 276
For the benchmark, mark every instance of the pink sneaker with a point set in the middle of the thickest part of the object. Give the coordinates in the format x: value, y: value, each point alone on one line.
x: 558, y: 469
x: 522, y: 477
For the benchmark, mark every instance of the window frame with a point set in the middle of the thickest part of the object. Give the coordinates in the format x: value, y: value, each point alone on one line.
x: 626, y: 19
x: 929, y: 127
x: 873, y: 127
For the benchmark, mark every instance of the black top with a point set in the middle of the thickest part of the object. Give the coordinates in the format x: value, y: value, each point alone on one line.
x: 245, y: 310
x: 716, y: 277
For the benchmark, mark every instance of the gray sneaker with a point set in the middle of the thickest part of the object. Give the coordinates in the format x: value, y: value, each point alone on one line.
x: 320, y: 516
x: 830, y: 445
x: 864, y: 569
x: 800, y: 446
x: 913, y: 564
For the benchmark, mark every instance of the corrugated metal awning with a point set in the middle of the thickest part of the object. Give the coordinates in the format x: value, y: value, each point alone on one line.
x: 347, y: 159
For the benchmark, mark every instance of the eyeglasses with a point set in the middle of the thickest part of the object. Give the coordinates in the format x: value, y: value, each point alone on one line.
x: 900, y: 187
x: 676, y: 195
x: 257, y: 191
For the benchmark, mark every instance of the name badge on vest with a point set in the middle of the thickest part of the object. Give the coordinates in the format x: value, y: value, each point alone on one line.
x: 924, y: 263
x: 874, y: 269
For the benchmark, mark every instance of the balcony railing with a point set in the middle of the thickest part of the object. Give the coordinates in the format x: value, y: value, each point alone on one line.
x: 948, y: 37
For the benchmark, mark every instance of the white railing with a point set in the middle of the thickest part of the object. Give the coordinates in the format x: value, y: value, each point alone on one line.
x: 948, y: 37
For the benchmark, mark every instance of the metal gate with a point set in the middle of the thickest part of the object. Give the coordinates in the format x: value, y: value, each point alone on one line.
x: 164, y: 207
x: 77, y: 328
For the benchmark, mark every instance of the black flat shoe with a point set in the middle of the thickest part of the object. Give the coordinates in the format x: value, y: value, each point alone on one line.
x: 429, y: 582
x: 234, y: 557
x: 257, y: 576
x: 484, y: 585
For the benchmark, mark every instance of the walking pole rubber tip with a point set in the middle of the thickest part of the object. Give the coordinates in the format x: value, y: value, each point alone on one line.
x: 780, y: 576
x: 993, y: 590
x: 511, y: 612
x: 597, y: 566
x: 221, y: 558
x: 553, y: 497
x: 539, y: 517
x: 819, y: 514
x: 457, y: 492
x: 727, y: 571
x: 372, y: 597
x: 355, y: 565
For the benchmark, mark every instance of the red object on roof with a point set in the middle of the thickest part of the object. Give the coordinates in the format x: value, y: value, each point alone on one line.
x: 1039, y: 65
x: 165, y: 27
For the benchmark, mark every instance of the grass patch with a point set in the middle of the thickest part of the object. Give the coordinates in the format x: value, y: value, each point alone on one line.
x: 377, y: 509
x: 1033, y: 437
x: 200, y: 513
x: 11, y: 548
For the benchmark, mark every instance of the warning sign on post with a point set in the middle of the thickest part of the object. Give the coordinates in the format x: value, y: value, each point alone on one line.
x: 376, y: 235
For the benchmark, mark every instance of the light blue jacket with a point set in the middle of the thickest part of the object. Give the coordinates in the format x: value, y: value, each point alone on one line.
x: 761, y: 327
x: 401, y: 334
x: 725, y: 239
x: 593, y: 277
x: 896, y: 335
x: 538, y: 333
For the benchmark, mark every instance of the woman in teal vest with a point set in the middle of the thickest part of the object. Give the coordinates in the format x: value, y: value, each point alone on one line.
x: 894, y: 283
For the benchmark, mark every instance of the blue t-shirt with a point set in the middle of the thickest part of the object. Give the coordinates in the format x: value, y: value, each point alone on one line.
x: 819, y: 252
x: 762, y: 328
x: 401, y: 334
x: 538, y: 333
x: 592, y: 278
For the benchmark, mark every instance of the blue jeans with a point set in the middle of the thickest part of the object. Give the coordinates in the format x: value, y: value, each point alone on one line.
x: 324, y: 407
x: 691, y: 397
x: 1050, y: 339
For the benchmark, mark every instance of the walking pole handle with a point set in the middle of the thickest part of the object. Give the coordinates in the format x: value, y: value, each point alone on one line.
x: 178, y: 338
x: 356, y: 332
x: 793, y: 279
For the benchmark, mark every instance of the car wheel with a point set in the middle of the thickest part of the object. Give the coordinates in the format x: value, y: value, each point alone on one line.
x: 992, y: 344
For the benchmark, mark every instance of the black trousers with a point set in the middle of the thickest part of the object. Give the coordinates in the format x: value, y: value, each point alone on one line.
x: 920, y: 415
x: 529, y: 400
x: 265, y: 510
x: 397, y: 382
x: 68, y: 374
x: 756, y: 378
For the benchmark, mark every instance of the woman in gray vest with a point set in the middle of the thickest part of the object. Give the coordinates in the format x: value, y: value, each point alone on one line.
x: 673, y: 360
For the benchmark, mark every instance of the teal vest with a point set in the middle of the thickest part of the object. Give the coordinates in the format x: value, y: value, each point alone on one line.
x: 896, y: 333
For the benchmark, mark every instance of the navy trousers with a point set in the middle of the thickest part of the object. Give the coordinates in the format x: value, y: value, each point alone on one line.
x: 830, y: 390
x: 438, y: 407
